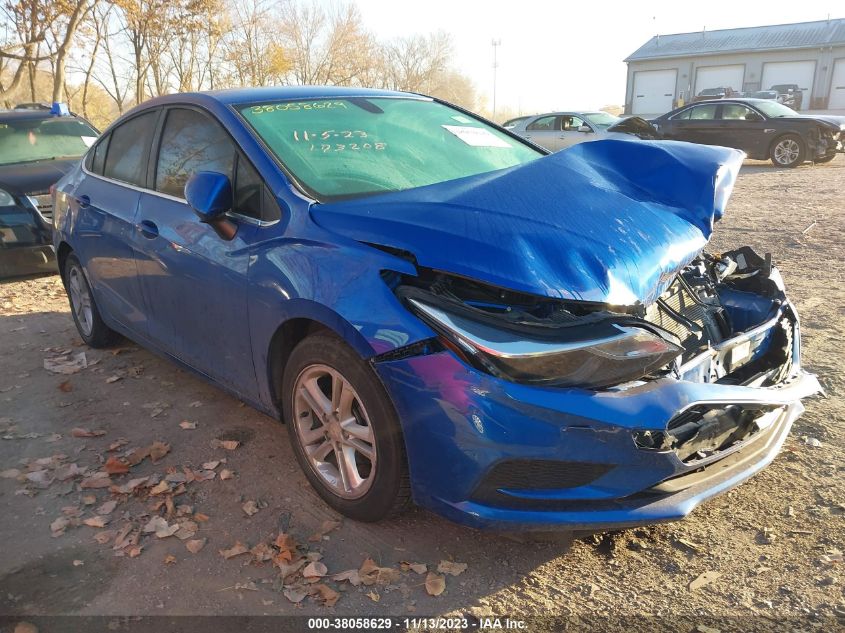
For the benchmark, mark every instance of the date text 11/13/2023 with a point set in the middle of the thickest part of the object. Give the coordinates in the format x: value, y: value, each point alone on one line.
x: 490, y: 623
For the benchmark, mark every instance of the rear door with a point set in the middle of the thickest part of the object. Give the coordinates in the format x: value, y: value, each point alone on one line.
x: 696, y: 125
x: 195, y: 282
x: 106, y: 202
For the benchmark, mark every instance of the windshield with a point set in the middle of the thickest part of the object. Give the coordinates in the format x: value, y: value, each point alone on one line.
x: 602, y: 120
x: 773, y: 109
x: 355, y: 146
x: 29, y: 140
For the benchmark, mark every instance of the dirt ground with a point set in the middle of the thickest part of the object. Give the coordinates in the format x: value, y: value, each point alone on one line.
x: 772, y: 547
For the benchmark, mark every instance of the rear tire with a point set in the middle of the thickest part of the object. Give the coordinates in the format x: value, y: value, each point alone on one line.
x: 83, y: 308
x: 344, y: 430
x: 788, y: 151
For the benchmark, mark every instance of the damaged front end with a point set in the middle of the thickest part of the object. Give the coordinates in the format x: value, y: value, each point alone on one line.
x: 588, y: 365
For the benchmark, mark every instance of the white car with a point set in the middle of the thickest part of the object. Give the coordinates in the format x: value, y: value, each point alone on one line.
x: 559, y: 130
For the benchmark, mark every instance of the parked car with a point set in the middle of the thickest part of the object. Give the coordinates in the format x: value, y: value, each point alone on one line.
x: 438, y: 309
x: 715, y: 93
x: 761, y: 94
x: 37, y: 147
x: 558, y: 130
x: 762, y: 128
x: 789, y: 95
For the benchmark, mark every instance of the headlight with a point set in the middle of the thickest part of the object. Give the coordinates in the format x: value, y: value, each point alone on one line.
x: 594, y: 355
x: 6, y: 199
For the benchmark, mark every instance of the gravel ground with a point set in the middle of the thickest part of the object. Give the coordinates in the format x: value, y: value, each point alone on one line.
x: 770, y: 548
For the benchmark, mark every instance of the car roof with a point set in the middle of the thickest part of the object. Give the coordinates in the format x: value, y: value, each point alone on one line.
x: 276, y: 93
x: 31, y: 115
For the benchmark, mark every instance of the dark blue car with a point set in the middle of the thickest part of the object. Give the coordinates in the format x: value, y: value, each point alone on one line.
x: 37, y: 147
x: 439, y: 310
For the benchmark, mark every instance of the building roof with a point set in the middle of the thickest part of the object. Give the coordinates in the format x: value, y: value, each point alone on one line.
x: 754, y: 38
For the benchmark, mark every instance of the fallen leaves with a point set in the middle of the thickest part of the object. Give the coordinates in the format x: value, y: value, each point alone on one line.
x: 195, y: 545
x: 451, y: 568
x: 160, y: 527
x: 250, y: 508
x: 65, y: 387
x: 66, y: 363
x: 169, y: 559
x: 315, y: 569
x: 96, y: 521
x: 236, y: 550
x: 417, y: 568
x: 187, y: 426
x: 114, y: 466
x: 435, y: 584
x: 158, y: 450
x: 99, y: 479
x: 228, y: 445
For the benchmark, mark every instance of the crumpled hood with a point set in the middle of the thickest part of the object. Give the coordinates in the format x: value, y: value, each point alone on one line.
x: 608, y: 221
x: 637, y: 126
x: 35, y: 177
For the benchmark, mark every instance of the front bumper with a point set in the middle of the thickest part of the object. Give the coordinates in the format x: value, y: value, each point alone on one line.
x: 461, y: 426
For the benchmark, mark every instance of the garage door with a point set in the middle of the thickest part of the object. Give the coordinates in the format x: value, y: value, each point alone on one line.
x: 837, y: 86
x: 653, y: 91
x: 719, y: 77
x: 800, y: 73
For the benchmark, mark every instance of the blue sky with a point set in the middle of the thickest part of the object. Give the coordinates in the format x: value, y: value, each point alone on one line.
x: 567, y: 54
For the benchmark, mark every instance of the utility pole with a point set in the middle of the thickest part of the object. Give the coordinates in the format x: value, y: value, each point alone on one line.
x: 496, y: 44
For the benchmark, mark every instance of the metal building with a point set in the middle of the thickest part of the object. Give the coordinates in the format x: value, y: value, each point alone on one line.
x: 671, y: 69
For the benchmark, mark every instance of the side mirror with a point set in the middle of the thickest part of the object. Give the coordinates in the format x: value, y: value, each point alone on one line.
x: 585, y: 128
x: 209, y: 194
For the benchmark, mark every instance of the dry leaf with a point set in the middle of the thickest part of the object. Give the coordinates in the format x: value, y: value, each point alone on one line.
x: 160, y: 488
x: 202, y: 518
x: 134, y: 551
x: 372, y: 595
x: 350, y: 575
x: 229, y: 445
x: 137, y: 455
x: 211, y: 465
x: 704, y: 579
x: 58, y: 526
x: 107, y: 508
x: 66, y: 386
x: 315, y: 569
x: 169, y: 559
x: 417, y: 568
x: 451, y: 568
x: 195, y: 545
x: 113, y: 379
x: 129, y: 487
x: 104, y: 537
x: 188, y: 426
x: 236, y: 550
x: 158, y: 450
x: 325, y: 593
x: 118, y: 444
x: 285, y: 542
x: 249, y: 508
x: 11, y: 473
x: 114, y: 466
x: 262, y: 553
x: 97, y: 480
x: 295, y: 594
x: 97, y: 522
x: 80, y: 432
x: 225, y: 474
x: 435, y: 584
x: 66, y: 364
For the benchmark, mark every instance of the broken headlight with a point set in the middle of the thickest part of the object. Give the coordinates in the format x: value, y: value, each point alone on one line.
x: 599, y: 354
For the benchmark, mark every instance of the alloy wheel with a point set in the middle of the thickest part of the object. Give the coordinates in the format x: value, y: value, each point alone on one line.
x: 80, y: 300
x: 334, y: 431
x: 787, y: 151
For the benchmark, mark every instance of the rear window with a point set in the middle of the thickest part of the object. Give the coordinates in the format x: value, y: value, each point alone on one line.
x: 128, y: 147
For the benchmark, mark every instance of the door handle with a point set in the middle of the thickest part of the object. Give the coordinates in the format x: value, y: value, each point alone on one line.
x: 83, y: 201
x: 148, y: 229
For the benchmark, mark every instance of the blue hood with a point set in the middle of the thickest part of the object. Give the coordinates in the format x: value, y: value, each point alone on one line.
x: 607, y: 221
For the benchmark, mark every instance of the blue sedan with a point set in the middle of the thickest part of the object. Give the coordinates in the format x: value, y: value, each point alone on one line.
x: 439, y: 310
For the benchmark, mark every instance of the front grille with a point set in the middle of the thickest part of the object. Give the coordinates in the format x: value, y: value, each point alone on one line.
x: 44, y: 203
x: 534, y: 474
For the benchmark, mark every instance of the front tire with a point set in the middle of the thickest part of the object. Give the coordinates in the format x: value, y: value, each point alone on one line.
x: 344, y: 430
x: 788, y: 151
x: 83, y: 308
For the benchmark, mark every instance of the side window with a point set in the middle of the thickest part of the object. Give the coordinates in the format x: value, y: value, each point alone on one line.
x: 735, y: 112
x: 703, y: 112
x: 571, y: 123
x: 248, y: 190
x: 682, y: 116
x: 545, y: 123
x: 191, y: 142
x: 126, y: 155
x: 98, y: 158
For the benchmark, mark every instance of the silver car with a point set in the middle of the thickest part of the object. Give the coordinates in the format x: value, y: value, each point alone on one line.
x: 558, y: 130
